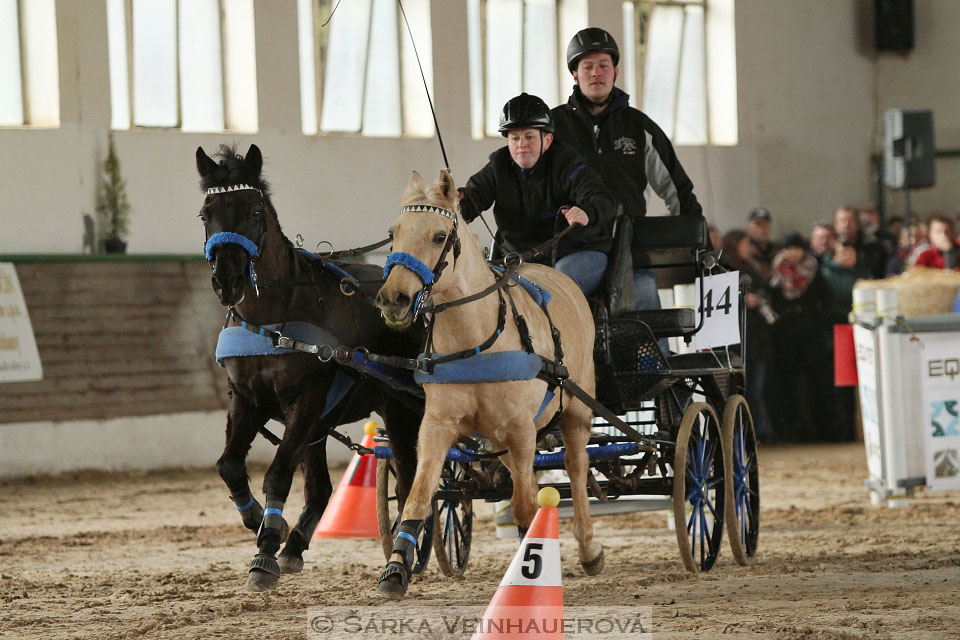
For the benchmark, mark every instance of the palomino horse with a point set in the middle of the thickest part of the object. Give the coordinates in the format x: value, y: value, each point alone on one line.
x: 430, y: 231
x: 248, y: 253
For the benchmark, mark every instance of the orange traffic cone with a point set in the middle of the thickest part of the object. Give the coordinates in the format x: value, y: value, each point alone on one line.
x: 529, y: 601
x: 352, y: 510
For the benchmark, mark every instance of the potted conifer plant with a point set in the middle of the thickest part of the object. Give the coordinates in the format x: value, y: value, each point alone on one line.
x: 113, y: 208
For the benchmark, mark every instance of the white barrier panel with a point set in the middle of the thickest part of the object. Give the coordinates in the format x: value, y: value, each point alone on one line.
x: 941, y: 404
x: 19, y: 358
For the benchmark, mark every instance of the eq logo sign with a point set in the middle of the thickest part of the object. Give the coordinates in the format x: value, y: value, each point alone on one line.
x: 944, y: 419
x: 949, y: 367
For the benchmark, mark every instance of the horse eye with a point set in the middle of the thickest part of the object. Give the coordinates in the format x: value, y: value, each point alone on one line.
x: 255, y: 214
x: 202, y: 217
x: 440, y: 237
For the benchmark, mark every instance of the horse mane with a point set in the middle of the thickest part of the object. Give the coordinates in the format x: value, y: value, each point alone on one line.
x: 232, y: 170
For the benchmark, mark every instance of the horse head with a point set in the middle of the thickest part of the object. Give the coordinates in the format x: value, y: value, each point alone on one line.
x: 426, y: 243
x: 235, y: 218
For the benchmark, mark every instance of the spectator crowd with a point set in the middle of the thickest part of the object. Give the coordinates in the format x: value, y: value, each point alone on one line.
x: 799, y: 289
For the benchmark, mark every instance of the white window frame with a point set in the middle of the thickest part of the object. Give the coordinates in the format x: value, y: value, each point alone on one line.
x: 569, y: 17
x: 718, y: 63
x: 33, y: 54
x: 412, y: 117
x: 238, y: 103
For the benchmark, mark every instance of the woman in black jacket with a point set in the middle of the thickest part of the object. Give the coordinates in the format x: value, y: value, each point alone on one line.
x: 537, y: 186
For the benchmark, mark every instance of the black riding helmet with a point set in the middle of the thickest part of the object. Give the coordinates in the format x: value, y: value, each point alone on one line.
x: 591, y: 40
x: 525, y: 112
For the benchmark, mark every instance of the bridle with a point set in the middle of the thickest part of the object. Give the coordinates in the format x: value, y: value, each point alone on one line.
x: 252, y: 247
x: 427, y: 275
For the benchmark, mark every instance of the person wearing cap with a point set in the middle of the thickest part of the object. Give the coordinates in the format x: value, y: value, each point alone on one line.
x: 537, y: 187
x: 623, y: 144
x: 758, y: 229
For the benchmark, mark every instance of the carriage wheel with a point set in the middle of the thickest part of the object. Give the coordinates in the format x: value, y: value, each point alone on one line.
x: 742, y: 481
x: 454, y: 517
x: 698, y: 487
x: 388, y: 517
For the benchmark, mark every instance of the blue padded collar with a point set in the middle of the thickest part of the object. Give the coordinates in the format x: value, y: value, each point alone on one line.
x: 238, y: 341
x: 410, y: 262
x: 228, y: 237
x: 498, y: 366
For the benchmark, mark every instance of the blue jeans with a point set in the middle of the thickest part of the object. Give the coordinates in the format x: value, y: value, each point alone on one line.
x: 647, y: 298
x: 585, y: 268
x: 645, y: 295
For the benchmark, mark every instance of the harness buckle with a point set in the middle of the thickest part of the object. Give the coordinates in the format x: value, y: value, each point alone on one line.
x: 284, y: 342
x: 341, y: 354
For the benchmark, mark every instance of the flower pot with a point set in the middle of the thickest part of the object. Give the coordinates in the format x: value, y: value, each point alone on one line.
x: 114, y: 246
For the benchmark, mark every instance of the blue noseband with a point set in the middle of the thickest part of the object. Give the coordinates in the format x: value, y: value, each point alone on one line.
x: 228, y: 237
x: 403, y: 258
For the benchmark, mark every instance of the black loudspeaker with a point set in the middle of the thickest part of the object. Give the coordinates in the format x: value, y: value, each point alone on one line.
x: 908, y: 149
x: 893, y: 25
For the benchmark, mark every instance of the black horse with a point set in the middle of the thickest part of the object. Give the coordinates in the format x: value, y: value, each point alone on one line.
x: 267, y: 282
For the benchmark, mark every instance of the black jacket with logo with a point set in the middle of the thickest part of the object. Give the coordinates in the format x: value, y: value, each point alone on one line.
x: 527, y: 202
x: 629, y: 151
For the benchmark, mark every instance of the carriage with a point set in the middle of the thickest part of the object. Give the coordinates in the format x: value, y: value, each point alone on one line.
x: 650, y: 438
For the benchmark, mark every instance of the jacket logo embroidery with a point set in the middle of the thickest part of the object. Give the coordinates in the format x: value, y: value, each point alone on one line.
x: 627, y: 145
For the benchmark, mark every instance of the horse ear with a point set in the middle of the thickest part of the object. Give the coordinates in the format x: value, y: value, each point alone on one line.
x: 446, y: 186
x: 415, y: 188
x: 253, y: 160
x: 204, y: 164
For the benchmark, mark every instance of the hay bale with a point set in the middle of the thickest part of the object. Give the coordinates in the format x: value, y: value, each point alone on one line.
x: 920, y: 291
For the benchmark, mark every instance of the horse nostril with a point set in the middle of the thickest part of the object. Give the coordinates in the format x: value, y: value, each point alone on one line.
x: 395, y: 299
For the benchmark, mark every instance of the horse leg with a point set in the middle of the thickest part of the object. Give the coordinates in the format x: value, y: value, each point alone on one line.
x: 299, y: 418
x: 522, y: 445
x: 436, y: 438
x: 243, y: 422
x: 575, y: 427
x: 317, y: 491
x: 402, y: 426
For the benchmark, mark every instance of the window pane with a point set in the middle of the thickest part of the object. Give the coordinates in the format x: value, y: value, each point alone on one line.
x: 662, y: 66
x: 155, y: 63
x: 628, y: 53
x: 308, y: 68
x: 691, y: 127
x: 572, y: 16
x: 41, y: 68
x: 344, y: 67
x: 475, y: 48
x: 417, y: 119
x: 504, y: 20
x: 540, y: 50
x: 722, y: 81
x: 381, y: 100
x: 119, y: 80
x: 11, y: 96
x: 201, y: 71
x: 240, y: 66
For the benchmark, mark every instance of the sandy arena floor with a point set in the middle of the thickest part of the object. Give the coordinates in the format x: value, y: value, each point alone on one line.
x: 163, y: 555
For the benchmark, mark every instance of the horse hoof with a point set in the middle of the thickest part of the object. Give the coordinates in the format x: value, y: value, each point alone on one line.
x: 393, y: 581
x: 290, y: 564
x: 391, y: 589
x: 264, y: 573
x: 261, y: 580
x: 593, y: 567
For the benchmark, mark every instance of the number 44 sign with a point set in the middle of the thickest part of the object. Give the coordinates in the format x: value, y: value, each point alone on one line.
x: 721, y: 310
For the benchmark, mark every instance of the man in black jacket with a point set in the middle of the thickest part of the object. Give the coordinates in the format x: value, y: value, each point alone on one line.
x: 537, y: 187
x: 622, y: 143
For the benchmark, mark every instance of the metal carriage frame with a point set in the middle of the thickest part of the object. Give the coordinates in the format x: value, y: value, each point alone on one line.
x: 702, y: 454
